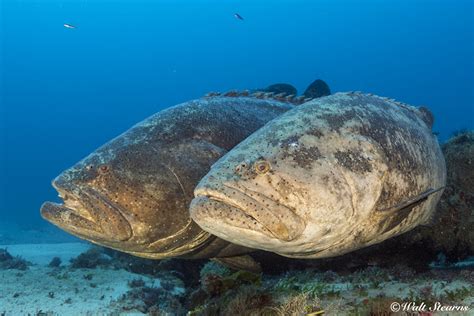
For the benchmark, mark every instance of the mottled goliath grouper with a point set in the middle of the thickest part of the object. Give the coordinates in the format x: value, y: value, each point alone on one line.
x: 133, y: 193
x: 328, y: 177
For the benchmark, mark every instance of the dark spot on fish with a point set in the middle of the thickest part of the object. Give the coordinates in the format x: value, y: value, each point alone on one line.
x: 307, y: 155
x: 303, y: 156
x: 306, y: 120
x: 336, y: 121
x: 353, y: 161
x: 315, y: 132
x: 288, y: 142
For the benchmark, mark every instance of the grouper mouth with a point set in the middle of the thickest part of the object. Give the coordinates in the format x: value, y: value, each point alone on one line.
x: 87, y: 214
x: 246, y: 209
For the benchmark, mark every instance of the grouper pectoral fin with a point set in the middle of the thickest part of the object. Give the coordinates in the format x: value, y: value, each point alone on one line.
x: 411, y: 202
x: 244, y: 262
x: 395, y: 214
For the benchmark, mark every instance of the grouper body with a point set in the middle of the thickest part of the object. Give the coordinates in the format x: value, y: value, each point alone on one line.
x: 132, y: 194
x: 328, y: 177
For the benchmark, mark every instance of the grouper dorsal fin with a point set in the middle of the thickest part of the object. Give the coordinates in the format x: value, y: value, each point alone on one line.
x: 410, y: 202
x: 244, y: 262
x: 281, y: 97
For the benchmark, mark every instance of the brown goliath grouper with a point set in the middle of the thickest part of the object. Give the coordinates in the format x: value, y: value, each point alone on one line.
x: 133, y: 193
x: 328, y: 177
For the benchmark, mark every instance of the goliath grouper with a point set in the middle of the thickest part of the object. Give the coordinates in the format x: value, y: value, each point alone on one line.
x: 328, y: 177
x: 133, y: 193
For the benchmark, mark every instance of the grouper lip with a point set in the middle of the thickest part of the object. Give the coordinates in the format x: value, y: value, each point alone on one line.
x: 277, y: 220
x: 87, y: 214
x: 70, y: 220
x: 216, y: 226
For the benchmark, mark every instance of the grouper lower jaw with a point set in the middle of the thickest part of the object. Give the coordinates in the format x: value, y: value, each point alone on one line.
x: 73, y: 222
x: 221, y: 217
x: 69, y: 220
x: 86, y: 214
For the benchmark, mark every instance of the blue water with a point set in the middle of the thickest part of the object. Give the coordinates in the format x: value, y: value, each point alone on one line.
x: 66, y: 91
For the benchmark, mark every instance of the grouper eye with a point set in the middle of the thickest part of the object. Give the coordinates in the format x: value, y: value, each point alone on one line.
x: 262, y: 166
x: 104, y: 168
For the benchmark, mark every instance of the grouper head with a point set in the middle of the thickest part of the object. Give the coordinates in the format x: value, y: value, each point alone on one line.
x: 250, y: 196
x: 245, y: 199
x: 263, y: 195
x: 131, y: 195
x: 280, y: 190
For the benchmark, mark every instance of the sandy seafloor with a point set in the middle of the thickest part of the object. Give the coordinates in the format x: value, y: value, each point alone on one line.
x: 44, y: 290
x: 63, y: 290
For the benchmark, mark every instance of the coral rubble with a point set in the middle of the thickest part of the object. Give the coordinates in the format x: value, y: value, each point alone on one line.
x: 7, y: 261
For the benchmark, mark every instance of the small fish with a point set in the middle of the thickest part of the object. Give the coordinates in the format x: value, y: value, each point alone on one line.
x: 69, y: 26
x: 238, y: 16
